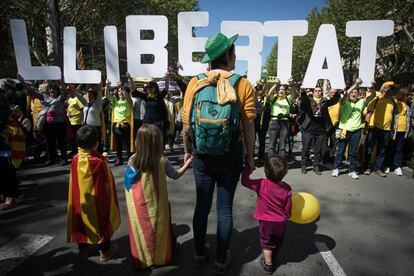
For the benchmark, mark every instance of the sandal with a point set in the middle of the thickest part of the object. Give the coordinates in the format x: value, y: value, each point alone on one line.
x: 200, y: 261
x: 221, y: 268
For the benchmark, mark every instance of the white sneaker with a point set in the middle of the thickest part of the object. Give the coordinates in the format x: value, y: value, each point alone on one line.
x: 335, y: 172
x: 387, y: 170
x: 398, y: 171
x: 354, y: 175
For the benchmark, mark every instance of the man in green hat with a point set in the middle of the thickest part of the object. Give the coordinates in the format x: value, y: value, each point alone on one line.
x: 223, y: 169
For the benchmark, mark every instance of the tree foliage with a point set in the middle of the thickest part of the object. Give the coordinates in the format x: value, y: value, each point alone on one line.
x: 394, y: 53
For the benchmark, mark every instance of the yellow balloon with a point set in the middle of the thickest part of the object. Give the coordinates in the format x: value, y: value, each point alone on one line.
x: 305, y: 208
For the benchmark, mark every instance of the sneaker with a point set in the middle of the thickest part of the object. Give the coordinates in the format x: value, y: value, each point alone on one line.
x: 380, y: 173
x: 105, y: 154
x: 368, y: 172
x: 387, y: 170
x: 118, y: 163
x: 398, y: 171
x: 200, y: 261
x: 221, y: 268
x: 354, y: 175
x: 11, y: 202
x: 335, y: 172
x: 316, y: 170
x: 268, y: 268
x: 108, y: 254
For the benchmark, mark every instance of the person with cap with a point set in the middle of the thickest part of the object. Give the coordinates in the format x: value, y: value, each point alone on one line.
x: 122, y: 120
x: 155, y: 112
x: 381, y: 113
x: 223, y: 169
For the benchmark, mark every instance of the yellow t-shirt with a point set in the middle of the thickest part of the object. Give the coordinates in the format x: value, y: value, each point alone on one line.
x: 75, y: 108
x: 36, y: 106
x: 382, y: 112
x: 402, y: 117
x: 333, y: 111
x: 245, y: 98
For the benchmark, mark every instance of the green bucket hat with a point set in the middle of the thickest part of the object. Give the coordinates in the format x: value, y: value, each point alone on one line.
x: 216, y: 45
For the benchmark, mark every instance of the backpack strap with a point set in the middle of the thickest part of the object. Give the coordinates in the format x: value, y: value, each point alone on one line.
x: 233, y: 79
x: 201, y: 76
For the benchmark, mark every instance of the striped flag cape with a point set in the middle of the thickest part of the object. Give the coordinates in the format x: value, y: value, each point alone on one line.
x: 149, y: 220
x: 17, y: 141
x: 93, y: 211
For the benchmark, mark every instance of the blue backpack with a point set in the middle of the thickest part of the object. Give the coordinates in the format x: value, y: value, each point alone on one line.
x: 214, y: 126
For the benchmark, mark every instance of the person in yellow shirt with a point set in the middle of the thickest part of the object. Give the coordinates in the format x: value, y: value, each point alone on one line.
x: 222, y: 169
x: 380, y: 116
x: 74, y: 112
x: 331, y: 142
x: 402, y: 127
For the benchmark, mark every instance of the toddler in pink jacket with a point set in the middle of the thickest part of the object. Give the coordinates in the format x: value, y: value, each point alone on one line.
x: 273, y: 207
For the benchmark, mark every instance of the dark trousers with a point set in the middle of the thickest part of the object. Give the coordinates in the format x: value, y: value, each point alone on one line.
x: 56, y: 133
x: 225, y: 172
x: 8, y: 183
x: 74, y: 147
x: 261, y: 136
x: 122, y: 136
x: 329, y: 145
x: 278, y: 130
x: 352, y: 139
x: 307, y: 139
x: 137, y: 125
x: 380, y: 138
x: 394, y: 153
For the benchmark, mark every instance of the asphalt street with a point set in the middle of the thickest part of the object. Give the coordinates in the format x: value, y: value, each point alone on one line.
x: 366, y: 227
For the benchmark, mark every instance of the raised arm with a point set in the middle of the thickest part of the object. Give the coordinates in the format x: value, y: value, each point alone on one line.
x: 131, y: 81
x: 80, y: 98
x: 32, y: 92
x: 107, y: 92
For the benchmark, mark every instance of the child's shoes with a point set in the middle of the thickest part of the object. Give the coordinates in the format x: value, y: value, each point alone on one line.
x: 221, y: 268
x: 268, y: 268
x: 108, y: 254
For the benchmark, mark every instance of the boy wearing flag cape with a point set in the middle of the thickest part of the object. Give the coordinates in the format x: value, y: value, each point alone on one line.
x: 93, y: 212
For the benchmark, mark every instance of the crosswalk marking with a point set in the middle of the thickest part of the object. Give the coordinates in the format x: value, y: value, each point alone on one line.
x: 330, y: 259
x: 16, y: 251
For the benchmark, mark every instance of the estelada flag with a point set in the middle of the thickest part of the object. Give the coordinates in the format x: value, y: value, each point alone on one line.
x: 149, y: 218
x: 93, y: 211
x: 17, y: 141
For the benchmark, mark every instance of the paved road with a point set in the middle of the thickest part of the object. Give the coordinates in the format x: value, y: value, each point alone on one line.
x: 366, y: 227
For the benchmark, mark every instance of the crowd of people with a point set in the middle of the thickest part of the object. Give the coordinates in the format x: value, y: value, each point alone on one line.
x: 221, y: 117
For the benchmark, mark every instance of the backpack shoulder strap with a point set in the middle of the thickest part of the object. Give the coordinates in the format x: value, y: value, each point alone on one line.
x: 201, y: 76
x: 233, y: 79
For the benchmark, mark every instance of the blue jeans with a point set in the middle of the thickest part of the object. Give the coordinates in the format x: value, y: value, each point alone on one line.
x: 208, y: 170
x: 352, y: 138
x: 381, y: 138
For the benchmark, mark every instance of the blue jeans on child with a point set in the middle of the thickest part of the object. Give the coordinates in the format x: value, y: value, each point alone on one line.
x: 208, y: 170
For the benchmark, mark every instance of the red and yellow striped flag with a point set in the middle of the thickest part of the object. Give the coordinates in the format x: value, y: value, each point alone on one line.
x: 149, y: 219
x: 93, y: 211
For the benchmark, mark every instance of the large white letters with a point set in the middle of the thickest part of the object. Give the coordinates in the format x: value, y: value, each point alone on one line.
x: 137, y: 46
x: 368, y: 30
x: 325, y: 48
x: 285, y: 31
x: 187, y: 44
x: 21, y: 50
x: 251, y: 52
x: 111, y: 53
x: 69, y: 61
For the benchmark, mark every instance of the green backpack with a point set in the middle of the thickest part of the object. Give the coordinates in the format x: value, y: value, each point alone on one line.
x: 213, y: 126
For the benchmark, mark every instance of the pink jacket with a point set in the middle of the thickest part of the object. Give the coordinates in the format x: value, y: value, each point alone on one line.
x: 274, y: 200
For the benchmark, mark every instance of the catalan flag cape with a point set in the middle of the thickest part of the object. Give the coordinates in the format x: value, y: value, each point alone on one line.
x: 93, y: 211
x: 17, y: 141
x: 149, y: 220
